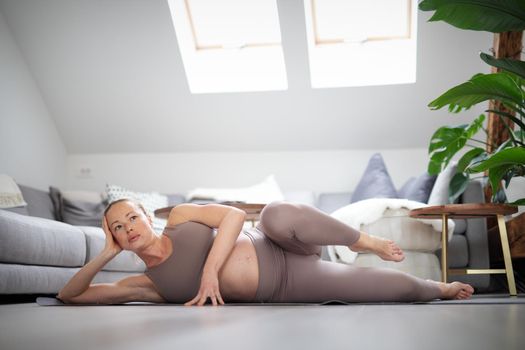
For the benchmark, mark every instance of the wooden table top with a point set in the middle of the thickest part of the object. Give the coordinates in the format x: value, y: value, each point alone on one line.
x: 252, y: 209
x: 464, y: 211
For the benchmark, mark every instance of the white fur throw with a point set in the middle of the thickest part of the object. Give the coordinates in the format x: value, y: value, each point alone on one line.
x: 367, y: 211
x: 10, y: 195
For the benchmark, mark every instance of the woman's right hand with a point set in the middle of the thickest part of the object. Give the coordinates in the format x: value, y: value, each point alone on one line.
x: 111, y: 246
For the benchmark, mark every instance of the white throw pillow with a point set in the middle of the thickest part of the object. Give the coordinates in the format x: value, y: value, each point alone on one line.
x: 10, y: 194
x: 439, y: 194
x: 150, y: 201
x: 264, y: 192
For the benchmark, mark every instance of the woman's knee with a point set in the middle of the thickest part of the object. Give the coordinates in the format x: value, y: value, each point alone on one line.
x: 275, y: 215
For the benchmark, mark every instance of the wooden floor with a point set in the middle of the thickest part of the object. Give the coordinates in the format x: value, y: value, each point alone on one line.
x: 156, y: 327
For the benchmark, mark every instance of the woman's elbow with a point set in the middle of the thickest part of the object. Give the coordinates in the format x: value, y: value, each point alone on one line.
x: 241, y: 213
x: 63, y: 298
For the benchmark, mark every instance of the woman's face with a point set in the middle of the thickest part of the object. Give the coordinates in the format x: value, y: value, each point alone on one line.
x: 129, y: 225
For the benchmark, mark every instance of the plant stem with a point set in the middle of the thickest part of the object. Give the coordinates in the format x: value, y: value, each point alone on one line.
x: 479, y: 141
x: 511, y: 132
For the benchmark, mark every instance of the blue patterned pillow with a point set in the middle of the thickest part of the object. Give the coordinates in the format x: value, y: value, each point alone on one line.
x: 375, y: 182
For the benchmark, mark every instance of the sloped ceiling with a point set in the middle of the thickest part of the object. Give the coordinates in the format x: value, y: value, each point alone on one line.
x: 112, y: 77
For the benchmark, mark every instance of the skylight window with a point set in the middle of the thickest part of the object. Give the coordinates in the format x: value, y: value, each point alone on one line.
x: 360, y: 43
x: 230, y: 45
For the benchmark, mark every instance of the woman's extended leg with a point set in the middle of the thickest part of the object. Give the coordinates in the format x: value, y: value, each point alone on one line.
x: 313, y: 280
x: 302, y: 229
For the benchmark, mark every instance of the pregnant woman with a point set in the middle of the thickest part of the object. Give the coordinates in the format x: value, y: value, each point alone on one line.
x: 204, y: 253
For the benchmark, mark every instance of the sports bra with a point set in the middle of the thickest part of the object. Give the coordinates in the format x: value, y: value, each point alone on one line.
x: 177, y: 279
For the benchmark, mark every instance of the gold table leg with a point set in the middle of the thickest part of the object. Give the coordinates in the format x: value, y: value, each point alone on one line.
x: 444, y: 246
x: 506, y: 255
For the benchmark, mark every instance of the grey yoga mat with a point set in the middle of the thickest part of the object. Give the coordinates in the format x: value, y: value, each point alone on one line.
x: 476, y: 299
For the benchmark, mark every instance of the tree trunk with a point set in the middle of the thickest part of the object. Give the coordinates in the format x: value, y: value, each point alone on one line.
x: 506, y: 45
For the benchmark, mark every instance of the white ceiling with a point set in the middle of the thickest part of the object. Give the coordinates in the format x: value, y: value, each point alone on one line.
x: 111, y: 75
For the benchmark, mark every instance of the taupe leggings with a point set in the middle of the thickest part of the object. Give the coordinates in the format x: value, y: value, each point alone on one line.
x: 288, y: 242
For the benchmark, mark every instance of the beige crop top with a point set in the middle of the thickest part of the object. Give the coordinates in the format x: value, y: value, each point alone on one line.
x: 177, y: 279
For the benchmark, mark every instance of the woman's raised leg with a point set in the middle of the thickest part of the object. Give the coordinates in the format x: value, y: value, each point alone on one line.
x: 302, y: 229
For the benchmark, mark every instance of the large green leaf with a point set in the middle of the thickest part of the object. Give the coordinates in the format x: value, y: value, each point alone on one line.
x: 508, y: 115
x: 447, y: 141
x: 444, y: 144
x: 474, y: 127
x: 489, y: 15
x: 457, y: 186
x: 481, y: 87
x: 513, y: 155
x: 520, y: 201
x: 464, y: 161
x: 510, y: 65
x: 496, y: 174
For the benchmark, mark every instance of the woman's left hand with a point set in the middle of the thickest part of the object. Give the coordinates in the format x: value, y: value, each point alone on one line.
x: 209, y: 289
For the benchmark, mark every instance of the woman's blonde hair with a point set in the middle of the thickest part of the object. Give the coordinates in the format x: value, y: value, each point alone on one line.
x: 137, y: 203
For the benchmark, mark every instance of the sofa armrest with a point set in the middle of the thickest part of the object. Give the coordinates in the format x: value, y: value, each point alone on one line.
x: 37, y: 241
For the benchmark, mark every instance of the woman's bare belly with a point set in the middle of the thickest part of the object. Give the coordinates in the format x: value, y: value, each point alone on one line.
x: 239, y: 276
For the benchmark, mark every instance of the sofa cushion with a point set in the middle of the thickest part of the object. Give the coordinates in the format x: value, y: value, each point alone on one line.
x: 403, y: 191
x: 38, y: 241
x: 175, y: 199
x: 458, y: 254
x: 418, y: 189
x: 330, y: 202
x: 34, y: 279
x: 375, y: 182
x: 83, y: 208
x: 38, y: 202
x: 18, y: 210
x: 124, y: 261
x: 460, y: 226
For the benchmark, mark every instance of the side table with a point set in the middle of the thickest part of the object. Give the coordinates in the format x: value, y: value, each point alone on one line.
x: 469, y: 211
x: 253, y: 210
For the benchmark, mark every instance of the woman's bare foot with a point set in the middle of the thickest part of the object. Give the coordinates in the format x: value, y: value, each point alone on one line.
x: 384, y: 248
x: 455, y: 290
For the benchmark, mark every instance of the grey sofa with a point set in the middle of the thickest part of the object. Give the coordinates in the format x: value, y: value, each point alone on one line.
x: 39, y: 254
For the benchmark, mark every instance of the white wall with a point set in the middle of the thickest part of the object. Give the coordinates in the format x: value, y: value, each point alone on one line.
x: 31, y: 150
x: 319, y: 171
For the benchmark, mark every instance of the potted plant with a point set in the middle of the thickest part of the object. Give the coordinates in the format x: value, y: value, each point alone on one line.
x: 506, y: 86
